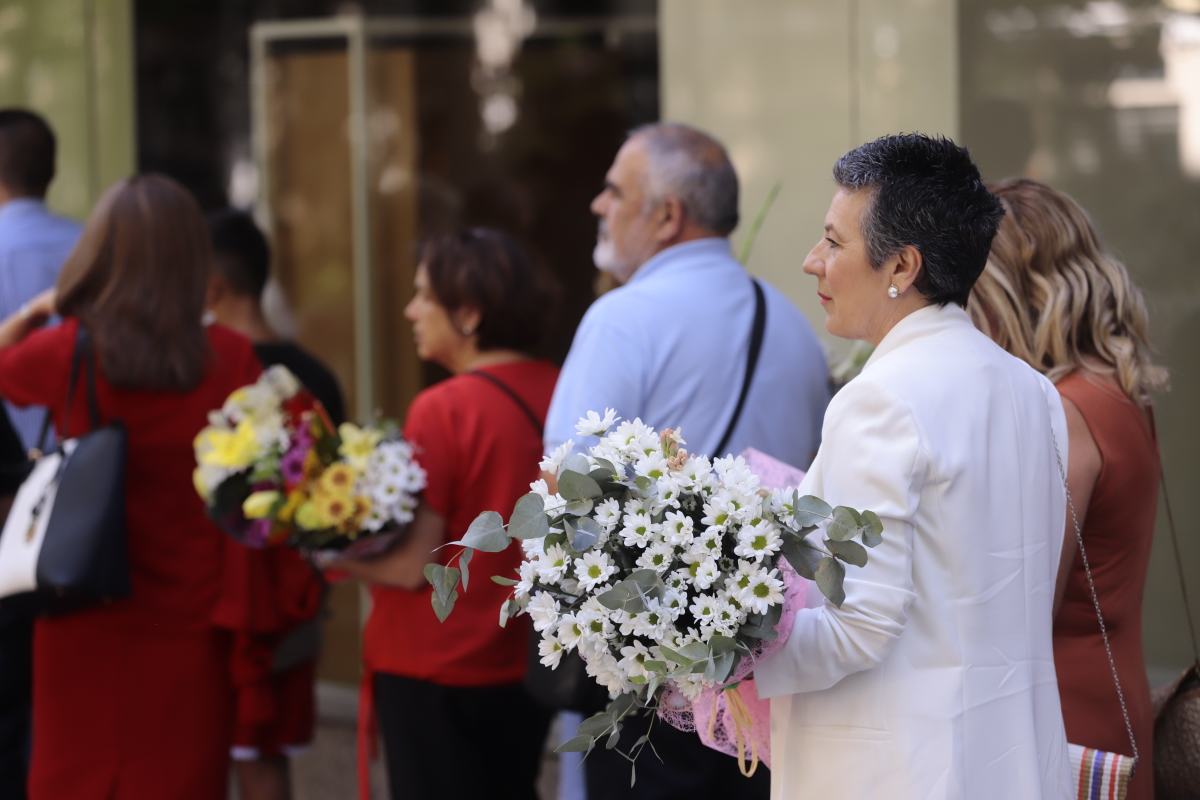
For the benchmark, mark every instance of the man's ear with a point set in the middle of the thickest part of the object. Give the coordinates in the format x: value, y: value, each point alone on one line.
x: 672, y: 219
x: 217, y: 289
x: 906, y: 267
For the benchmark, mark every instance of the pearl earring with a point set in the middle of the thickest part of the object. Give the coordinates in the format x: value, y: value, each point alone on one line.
x: 893, y: 292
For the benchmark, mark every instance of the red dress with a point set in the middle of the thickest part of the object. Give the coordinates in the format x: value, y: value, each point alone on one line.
x: 1118, y: 529
x: 135, y: 699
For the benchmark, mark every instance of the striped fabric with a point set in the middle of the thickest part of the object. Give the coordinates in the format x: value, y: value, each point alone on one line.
x: 1099, y: 774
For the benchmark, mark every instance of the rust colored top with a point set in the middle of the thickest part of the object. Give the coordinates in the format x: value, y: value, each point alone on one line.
x: 1118, y: 528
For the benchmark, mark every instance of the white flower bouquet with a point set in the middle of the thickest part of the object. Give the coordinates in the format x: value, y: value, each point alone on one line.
x: 660, y: 568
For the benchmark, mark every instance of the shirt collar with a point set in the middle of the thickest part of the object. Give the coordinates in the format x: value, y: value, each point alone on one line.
x: 712, y: 247
x: 21, y: 205
x: 920, y: 323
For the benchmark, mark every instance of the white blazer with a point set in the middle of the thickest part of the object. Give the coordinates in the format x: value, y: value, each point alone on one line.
x: 935, y: 679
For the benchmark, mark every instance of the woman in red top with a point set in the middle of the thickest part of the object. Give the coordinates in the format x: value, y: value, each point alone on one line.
x: 455, y: 719
x: 133, y: 699
x: 1051, y: 295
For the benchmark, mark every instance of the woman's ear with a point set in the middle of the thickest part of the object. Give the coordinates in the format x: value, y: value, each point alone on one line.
x: 907, y: 267
x: 467, y: 320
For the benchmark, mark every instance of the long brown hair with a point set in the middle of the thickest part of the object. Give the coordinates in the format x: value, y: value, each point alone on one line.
x: 136, y: 280
x: 1054, y: 297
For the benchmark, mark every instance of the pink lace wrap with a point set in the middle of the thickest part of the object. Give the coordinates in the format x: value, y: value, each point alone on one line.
x: 733, y: 719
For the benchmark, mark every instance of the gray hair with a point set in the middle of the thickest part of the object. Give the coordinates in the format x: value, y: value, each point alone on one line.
x: 687, y: 163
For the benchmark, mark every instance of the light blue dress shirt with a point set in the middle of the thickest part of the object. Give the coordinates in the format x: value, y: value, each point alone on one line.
x: 670, y: 347
x: 33, y: 246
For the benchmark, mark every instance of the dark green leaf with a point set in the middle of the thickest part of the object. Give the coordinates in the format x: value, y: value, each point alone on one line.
x: 503, y: 581
x: 486, y: 533
x: 577, y: 486
x: 529, y: 518
x: 810, y: 510
x: 844, y: 526
x: 620, y: 706
x: 850, y: 552
x: 830, y: 576
x: 873, y: 534
x: 596, y: 725
x: 803, y: 556
x: 722, y: 644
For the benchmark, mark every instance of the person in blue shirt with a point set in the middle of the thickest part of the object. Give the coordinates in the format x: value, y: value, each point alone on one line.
x: 33, y: 246
x: 671, y: 346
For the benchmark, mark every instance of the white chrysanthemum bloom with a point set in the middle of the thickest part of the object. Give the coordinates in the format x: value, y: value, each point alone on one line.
x: 719, y: 511
x: 550, y: 649
x: 607, y: 672
x: 657, y: 556
x: 680, y: 579
x: 569, y: 631
x: 691, y: 686
x: 636, y: 505
x: 736, y: 583
x: 704, y: 609
x: 552, y: 462
x: 764, y: 592
x: 735, y: 473
x: 593, y: 620
x: 594, y: 425
x: 533, y: 548
x: 757, y: 542
x: 728, y: 617
x: 677, y: 529
x: 653, y: 623
x: 608, y: 514
x: 697, y: 472
x: 633, y: 660
x: 779, y: 503
x: 638, y: 530
x: 708, y: 543
x: 652, y: 465
x: 669, y: 492
x: 376, y: 518
x: 551, y: 502
x: 527, y: 572
x: 707, y: 573
x: 673, y: 603
x: 280, y: 380
x: 593, y: 569
x: 552, y: 564
x: 543, y: 611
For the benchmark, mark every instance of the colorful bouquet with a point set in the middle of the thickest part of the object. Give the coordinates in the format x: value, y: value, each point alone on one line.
x: 663, y: 570
x: 272, y: 469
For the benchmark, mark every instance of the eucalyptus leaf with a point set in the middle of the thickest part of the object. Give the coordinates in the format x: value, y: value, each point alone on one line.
x: 607, y: 466
x: 507, y: 609
x: 575, y: 462
x: 443, y: 579
x: 674, y: 655
x: 503, y: 581
x: 723, y: 666
x: 873, y: 534
x: 486, y: 533
x: 442, y: 606
x: 657, y: 667
x: 579, y: 508
x: 722, y: 644
x: 850, y: 551
x: 613, y: 738
x: 583, y: 534
x: 463, y: 561
x: 829, y: 578
x: 620, y: 706
x: 528, y: 519
x: 803, y: 557
x: 578, y: 486
x: 596, y: 725
x: 579, y: 744
x: 810, y: 510
x: 844, y: 526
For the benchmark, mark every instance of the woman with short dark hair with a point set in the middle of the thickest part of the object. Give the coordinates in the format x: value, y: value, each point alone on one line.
x: 133, y: 698
x: 449, y: 694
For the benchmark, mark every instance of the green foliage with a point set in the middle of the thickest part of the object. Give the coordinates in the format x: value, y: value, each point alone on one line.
x: 528, y: 519
x: 578, y: 486
x: 809, y: 510
x: 830, y: 576
x: 444, y: 581
x: 486, y: 533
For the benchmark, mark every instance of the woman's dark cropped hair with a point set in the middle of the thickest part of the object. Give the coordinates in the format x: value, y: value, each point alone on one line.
x: 926, y: 192
x: 243, y: 255
x: 486, y: 269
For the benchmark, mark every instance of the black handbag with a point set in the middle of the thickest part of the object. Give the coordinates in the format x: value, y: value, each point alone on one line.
x: 65, y: 536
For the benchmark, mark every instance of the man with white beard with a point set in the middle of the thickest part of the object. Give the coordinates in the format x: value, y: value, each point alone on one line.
x: 672, y: 346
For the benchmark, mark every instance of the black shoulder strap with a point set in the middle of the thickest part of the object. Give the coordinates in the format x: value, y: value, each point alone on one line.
x: 756, y: 340
x: 516, y: 398
x: 82, y: 354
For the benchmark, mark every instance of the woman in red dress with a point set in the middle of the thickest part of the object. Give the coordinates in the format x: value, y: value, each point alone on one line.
x: 455, y: 719
x: 135, y: 699
x: 1052, y: 296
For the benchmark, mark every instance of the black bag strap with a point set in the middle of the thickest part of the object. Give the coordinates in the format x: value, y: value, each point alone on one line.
x: 82, y: 354
x: 516, y: 398
x: 756, y: 339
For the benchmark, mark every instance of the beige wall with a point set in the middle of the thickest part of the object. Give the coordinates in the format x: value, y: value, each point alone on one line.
x: 72, y: 61
x: 789, y: 85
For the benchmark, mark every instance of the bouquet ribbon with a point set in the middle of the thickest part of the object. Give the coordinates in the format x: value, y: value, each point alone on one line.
x: 743, y: 723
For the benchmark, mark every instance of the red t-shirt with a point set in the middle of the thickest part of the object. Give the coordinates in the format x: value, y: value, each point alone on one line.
x: 480, y: 452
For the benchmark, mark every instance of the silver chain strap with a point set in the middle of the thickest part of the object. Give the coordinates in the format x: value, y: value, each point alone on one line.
x: 1087, y: 571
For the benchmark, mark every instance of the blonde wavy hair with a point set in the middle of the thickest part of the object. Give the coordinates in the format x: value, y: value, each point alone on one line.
x: 1051, y: 294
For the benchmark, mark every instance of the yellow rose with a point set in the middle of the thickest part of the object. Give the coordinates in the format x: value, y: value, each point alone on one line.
x: 357, y: 443
x: 233, y: 450
x: 259, y: 504
x: 308, y: 516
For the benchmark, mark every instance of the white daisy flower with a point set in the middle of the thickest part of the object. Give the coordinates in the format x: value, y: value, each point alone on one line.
x: 569, y: 631
x: 638, y: 530
x: 551, y: 650
x: 553, y: 564
x: 552, y: 462
x: 757, y: 542
x: 527, y: 572
x: 677, y: 529
x: 594, y: 425
x: 765, y: 590
x: 593, y: 569
x: 608, y: 513
x: 657, y: 557
x: 543, y: 611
